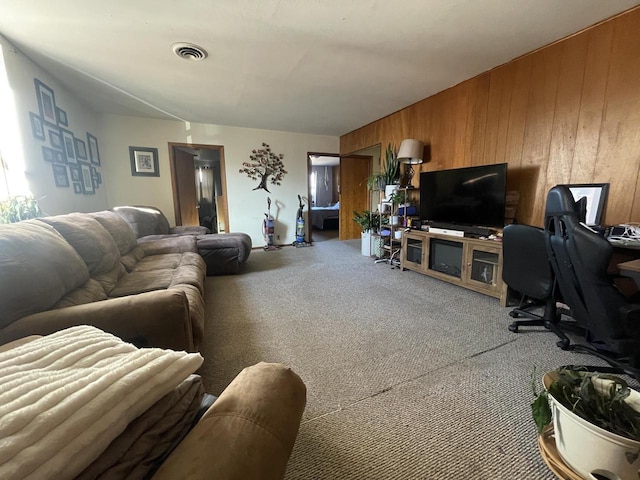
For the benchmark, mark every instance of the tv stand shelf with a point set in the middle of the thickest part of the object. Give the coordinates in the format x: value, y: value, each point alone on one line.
x: 468, y: 262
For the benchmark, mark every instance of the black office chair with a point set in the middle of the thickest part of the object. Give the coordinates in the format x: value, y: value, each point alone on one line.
x: 527, y: 271
x: 579, y: 258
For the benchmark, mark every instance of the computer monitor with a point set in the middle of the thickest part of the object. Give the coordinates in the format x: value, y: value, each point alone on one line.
x: 596, y: 199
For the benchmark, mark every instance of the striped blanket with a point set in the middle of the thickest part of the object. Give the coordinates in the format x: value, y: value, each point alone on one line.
x: 66, y: 396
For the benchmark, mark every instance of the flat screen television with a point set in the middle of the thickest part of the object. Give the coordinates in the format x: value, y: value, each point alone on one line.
x: 464, y: 196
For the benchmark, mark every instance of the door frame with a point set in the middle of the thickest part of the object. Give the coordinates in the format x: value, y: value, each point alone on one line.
x: 309, y: 227
x: 176, y: 196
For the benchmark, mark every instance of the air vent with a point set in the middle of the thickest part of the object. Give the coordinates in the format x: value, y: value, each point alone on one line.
x: 189, y: 51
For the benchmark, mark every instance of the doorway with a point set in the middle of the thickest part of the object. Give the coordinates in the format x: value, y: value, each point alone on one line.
x: 199, y: 186
x: 323, y: 196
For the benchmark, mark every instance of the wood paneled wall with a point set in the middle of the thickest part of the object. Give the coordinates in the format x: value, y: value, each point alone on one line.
x: 567, y: 113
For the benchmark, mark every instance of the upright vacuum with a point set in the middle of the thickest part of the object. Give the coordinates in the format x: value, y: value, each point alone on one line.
x: 300, y: 240
x: 268, y: 228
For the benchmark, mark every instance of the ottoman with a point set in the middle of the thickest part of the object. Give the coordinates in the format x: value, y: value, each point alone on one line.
x: 224, y: 253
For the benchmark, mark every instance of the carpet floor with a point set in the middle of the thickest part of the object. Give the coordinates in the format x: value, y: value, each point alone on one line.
x: 407, y: 377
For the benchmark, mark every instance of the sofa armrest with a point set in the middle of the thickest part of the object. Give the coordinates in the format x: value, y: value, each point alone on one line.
x: 167, y: 244
x: 158, y: 319
x: 249, y: 431
x: 189, y: 230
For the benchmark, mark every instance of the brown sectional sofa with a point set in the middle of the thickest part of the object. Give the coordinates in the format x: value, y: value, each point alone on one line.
x: 60, y: 271
x: 223, y: 254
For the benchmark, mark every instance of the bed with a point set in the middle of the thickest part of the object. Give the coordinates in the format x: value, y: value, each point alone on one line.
x: 320, y: 214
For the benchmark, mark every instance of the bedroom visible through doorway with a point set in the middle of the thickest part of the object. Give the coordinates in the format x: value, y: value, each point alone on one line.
x: 324, y: 196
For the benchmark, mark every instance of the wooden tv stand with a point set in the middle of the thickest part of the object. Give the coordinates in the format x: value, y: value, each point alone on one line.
x: 468, y: 262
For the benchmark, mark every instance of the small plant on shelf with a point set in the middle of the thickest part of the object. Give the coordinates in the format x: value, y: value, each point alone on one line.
x: 369, y: 221
x: 389, y: 170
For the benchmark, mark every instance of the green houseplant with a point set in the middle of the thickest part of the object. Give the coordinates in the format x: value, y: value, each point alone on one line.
x: 369, y: 221
x: 19, y: 207
x: 389, y: 170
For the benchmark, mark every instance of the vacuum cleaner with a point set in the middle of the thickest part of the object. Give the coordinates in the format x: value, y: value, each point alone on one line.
x: 300, y: 240
x: 268, y: 228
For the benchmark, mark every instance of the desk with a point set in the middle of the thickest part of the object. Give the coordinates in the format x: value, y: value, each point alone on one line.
x: 631, y: 269
x: 626, y: 243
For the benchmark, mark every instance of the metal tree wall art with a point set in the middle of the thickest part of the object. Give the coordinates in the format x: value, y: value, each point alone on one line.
x: 264, y: 164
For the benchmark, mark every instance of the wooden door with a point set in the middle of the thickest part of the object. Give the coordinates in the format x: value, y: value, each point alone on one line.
x: 354, y: 196
x: 185, y: 196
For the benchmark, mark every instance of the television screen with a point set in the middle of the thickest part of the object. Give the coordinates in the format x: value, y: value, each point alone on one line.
x: 465, y: 196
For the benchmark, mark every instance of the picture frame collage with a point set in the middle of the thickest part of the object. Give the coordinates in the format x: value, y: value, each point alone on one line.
x: 74, y: 160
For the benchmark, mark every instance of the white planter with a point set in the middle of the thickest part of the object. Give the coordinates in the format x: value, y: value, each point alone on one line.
x: 389, y: 189
x: 366, y: 244
x: 589, y: 449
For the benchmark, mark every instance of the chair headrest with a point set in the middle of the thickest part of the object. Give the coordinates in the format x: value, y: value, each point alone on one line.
x: 560, y: 201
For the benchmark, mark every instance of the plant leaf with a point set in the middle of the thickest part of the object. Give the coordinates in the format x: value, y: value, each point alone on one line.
x: 541, y: 411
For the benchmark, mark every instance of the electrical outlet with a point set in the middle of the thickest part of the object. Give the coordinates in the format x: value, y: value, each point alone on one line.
x: 277, y: 237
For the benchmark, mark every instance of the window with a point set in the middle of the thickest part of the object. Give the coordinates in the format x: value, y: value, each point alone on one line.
x: 313, y: 181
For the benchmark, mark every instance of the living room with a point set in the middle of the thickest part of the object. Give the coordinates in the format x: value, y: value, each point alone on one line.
x: 566, y: 113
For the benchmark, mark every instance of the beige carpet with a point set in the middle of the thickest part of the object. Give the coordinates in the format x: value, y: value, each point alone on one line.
x: 408, y: 377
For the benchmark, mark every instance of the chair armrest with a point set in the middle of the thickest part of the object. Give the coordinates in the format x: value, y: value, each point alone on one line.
x: 249, y: 431
x: 159, y: 319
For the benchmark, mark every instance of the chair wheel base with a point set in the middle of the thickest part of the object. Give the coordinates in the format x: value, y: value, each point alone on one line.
x: 563, y: 344
x: 514, y: 314
x: 513, y: 328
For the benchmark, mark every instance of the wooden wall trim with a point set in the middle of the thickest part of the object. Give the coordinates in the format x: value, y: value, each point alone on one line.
x: 566, y: 113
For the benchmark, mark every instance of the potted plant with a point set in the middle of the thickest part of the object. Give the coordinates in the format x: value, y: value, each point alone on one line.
x: 369, y: 222
x: 596, y: 420
x: 389, y: 171
x: 19, y: 207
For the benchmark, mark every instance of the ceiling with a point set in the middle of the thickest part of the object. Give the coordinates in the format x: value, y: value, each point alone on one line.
x: 311, y: 66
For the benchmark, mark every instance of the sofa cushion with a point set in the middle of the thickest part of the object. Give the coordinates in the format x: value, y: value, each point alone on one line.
x: 90, y: 239
x: 135, y: 453
x: 91, y: 291
x: 38, y: 267
x: 118, y: 228
x: 144, y: 220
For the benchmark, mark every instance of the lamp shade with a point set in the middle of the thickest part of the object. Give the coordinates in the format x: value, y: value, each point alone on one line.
x: 411, y: 151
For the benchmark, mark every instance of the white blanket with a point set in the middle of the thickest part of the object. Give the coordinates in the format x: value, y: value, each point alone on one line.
x: 66, y: 396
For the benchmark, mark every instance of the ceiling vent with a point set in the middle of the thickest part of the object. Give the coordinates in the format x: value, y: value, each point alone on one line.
x: 189, y: 51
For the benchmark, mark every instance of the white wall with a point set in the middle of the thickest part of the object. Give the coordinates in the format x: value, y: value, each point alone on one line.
x: 21, y: 72
x: 246, y: 206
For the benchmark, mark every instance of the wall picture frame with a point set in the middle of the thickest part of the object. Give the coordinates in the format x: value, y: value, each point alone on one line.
x: 61, y: 117
x: 144, y: 161
x: 87, y: 181
x: 55, y: 138
x: 81, y: 149
x: 94, y: 153
x: 48, y: 154
x: 58, y: 156
x: 60, y: 175
x: 76, y: 173
x: 77, y: 188
x: 46, y: 103
x: 69, y: 146
x: 37, y: 128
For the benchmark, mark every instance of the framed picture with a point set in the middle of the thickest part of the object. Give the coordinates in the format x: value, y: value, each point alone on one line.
x: 98, y: 178
x: 596, y: 198
x: 37, y: 129
x: 87, y: 181
x: 94, y: 154
x: 144, y: 161
x: 60, y: 175
x: 77, y: 188
x: 61, y: 117
x: 76, y: 174
x: 81, y: 149
x: 55, y: 138
x: 46, y: 103
x: 58, y: 156
x: 69, y: 146
x: 48, y: 154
